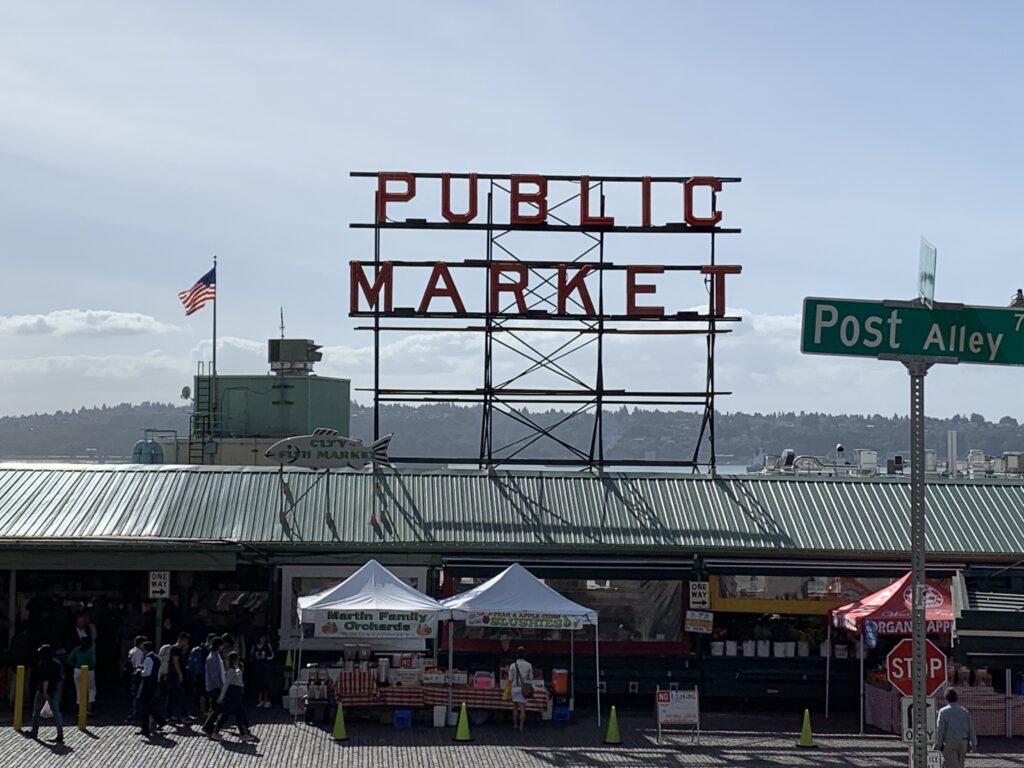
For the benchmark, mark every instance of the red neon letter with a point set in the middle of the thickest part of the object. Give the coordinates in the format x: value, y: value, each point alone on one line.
x: 357, y: 281
x: 384, y: 197
x: 566, y: 288
x: 446, y: 200
x: 516, y: 288
x: 586, y: 220
x: 440, y: 273
x: 538, y: 198
x: 718, y: 273
x: 688, y: 187
x: 633, y: 288
x: 645, y: 201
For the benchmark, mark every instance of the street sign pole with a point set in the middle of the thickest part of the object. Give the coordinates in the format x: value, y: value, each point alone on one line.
x: 918, y: 370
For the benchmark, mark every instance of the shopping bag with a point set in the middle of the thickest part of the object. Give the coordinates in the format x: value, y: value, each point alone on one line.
x: 46, y: 712
x: 506, y: 691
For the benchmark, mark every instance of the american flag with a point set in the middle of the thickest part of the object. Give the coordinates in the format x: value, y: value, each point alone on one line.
x: 204, y: 290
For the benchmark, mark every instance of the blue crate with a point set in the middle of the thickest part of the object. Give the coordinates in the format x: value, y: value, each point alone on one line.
x: 403, y: 718
x: 560, y: 714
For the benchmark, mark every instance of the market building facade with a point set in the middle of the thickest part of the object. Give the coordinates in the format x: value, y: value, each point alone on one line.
x: 725, y: 582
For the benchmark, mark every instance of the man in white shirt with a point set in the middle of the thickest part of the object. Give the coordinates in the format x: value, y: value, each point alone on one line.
x: 136, y: 656
x: 519, y: 671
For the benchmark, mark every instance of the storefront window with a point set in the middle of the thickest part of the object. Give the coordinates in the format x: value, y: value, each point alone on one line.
x: 733, y: 592
x: 298, y: 581
x: 631, y: 610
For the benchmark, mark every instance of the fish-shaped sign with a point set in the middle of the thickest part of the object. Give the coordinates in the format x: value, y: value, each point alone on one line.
x: 326, y: 449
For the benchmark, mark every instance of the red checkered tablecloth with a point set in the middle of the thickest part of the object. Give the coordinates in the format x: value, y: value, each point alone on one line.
x: 481, y: 698
x: 356, y: 684
x: 987, y: 708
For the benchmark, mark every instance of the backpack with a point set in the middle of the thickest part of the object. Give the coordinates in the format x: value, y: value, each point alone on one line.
x: 165, y: 660
x: 197, y: 661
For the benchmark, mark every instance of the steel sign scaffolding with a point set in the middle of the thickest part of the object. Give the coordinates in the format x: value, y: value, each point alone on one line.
x: 545, y: 329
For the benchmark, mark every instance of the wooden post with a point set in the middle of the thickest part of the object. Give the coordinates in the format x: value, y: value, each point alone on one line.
x: 83, y: 699
x: 19, y: 696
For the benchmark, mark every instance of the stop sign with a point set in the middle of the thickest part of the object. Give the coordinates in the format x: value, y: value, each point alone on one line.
x: 899, y: 667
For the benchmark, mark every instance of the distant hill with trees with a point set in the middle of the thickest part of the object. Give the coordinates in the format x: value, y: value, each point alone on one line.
x: 107, y: 433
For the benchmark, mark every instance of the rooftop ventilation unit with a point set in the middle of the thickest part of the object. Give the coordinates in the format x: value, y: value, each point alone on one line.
x: 293, y: 355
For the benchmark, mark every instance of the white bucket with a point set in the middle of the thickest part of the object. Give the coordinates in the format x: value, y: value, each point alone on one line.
x: 717, y: 648
x: 748, y: 647
x: 764, y: 647
x: 842, y: 651
x: 803, y: 649
x: 824, y: 651
x: 439, y: 715
x: 790, y: 648
x: 453, y: 717
x: 779, y: 650
x: 730, y: 647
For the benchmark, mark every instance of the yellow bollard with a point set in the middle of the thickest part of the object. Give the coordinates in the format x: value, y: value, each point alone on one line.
x: 19, y: 697
x: 83, y: 699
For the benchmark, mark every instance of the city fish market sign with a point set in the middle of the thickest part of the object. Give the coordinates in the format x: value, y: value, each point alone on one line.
x: 524, y: 620
x: 326, y: 449
x: 374, y: 624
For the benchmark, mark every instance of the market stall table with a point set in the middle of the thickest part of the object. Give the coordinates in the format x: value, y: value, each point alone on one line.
x: 482, y: 698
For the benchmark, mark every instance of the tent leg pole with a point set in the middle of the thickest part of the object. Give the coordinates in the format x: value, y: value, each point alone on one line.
x: 828, y: 664
x: 597, y: 669
x: 862, y: 683
x: 572, y: 670
x: 451, y: 656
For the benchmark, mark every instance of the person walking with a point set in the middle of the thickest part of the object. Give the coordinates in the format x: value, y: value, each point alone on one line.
x: 49, y: 681
x: 84, y: 655
x: 232, y: 699
x: 954, y: 733
x: 197, y: 673
x: 262, y: 655
x: 149, y: 700
x: 135, y: 658
x: 176, y: 679
x: 520, y: 672
x: 214, y: 686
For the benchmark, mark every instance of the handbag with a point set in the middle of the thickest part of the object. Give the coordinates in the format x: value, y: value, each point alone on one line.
x: 524, y: 685
x: 46, y: 712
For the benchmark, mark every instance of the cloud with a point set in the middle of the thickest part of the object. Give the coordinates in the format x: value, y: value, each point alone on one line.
x: 83, y: 322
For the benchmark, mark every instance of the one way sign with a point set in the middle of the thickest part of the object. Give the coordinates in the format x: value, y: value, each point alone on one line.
x: 159, y: 584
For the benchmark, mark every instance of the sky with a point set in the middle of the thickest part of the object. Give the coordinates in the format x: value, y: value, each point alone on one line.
x: 138, y: 139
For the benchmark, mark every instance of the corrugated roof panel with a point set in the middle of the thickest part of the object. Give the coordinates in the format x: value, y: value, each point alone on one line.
x: 505, y: 510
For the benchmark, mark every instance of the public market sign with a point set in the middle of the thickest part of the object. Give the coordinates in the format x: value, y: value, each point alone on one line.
x: 537, y: 203
x: 374, y: 624
x: 524, y: 620
x: 958, y: 333
x: 326, y: 449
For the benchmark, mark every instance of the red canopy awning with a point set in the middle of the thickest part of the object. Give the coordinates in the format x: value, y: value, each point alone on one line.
x: 890, y: 608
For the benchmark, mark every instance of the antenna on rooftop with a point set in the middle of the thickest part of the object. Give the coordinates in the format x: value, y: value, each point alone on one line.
x: 282, y: 322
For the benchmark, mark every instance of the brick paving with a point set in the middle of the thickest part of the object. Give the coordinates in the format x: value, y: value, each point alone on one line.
x: 734, y: 741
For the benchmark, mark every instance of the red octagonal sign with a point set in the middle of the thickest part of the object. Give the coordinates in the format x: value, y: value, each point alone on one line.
x: 898, y: 667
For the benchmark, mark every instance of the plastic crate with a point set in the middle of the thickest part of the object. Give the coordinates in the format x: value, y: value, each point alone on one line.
x: 403, y: 718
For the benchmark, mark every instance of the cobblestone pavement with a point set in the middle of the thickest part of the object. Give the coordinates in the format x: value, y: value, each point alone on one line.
x: 495, y: 745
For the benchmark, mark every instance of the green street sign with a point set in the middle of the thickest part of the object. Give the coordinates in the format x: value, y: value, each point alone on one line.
x: 992, y: 335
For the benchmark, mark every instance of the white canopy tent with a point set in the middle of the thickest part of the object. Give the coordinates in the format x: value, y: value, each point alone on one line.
x: 372, y: 588
x: 518, y: 596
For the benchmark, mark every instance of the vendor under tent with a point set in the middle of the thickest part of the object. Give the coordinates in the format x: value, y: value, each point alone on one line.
x: 353, y: 609
x: 516, y: 598
x: 889, y: 611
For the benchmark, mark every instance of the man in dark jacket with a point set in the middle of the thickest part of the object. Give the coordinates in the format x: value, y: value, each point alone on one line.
x: 49, y: 679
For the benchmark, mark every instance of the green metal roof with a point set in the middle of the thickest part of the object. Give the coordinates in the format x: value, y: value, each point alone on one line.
x: 459, y: 511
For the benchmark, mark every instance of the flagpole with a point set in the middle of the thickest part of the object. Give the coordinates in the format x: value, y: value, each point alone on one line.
x: 213, y: 364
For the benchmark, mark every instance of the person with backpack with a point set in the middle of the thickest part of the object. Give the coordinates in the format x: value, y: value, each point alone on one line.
x: 214, y: 686
x: 197, y: 672
x: 262, y: 655
x: 48, y: 683
x: 149, y: 701
x: 175, y: 681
